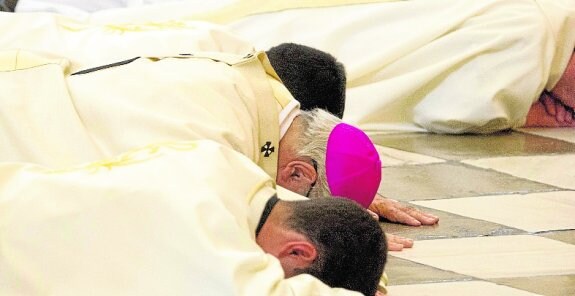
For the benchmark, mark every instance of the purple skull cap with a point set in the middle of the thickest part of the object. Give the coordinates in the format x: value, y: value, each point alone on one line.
x: 352, y: 165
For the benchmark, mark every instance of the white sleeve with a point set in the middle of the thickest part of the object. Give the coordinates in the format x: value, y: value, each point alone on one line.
x: 164, y: 220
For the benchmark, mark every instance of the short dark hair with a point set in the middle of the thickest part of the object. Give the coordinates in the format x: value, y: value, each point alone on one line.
x: 351, y: 245
x: 315, y: 78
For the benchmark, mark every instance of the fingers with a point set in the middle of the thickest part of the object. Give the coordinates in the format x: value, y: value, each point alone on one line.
x: 561, y: 112
x: 395, y: 247
x: 564, y: 115
x: 397, y: 243
x: 405, y: 242
x: 549, y: 104
x: 539, y: 114
x: 569, y: 117
x: 394, y: 211
x: 400, y: 216
x: 423, y: 218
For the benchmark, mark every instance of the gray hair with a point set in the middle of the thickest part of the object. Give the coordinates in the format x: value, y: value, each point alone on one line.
x: 316, y: 125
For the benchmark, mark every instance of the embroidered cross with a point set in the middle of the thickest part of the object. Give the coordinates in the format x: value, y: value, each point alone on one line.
x: 267, y: 149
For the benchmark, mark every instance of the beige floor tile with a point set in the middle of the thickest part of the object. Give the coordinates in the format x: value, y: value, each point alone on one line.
x: 471, y: 288
x: 394, y: 157
x: 564, y: 134
x: 556, y: 170
x: 496, y: 256
x: 531, y: 212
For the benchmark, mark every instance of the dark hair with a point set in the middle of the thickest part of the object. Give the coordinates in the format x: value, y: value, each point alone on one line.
x: 315, y: 78
x: 351, y: 245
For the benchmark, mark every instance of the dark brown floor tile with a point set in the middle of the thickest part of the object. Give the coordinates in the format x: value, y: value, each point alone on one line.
x: 566, y: 236
x: 459, y: 147
x: 449, y: 226
x: 450, y: 180
x: 556, y: 285
x: 405, y: 272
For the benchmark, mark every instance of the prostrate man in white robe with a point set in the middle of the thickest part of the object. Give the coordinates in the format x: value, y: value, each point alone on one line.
x: 94, y: 97
x: 119, y: 96
x: 446, y: 66
x: 212, y: 226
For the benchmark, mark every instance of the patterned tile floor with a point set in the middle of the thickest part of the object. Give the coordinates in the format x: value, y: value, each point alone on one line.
x: 506, y: 204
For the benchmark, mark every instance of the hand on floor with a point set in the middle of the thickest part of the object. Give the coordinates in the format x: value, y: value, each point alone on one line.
x: 397, y: 243
x: 394, y: 211
x: 554, y: 107
x: 550, y: 112
x: 394, y: 242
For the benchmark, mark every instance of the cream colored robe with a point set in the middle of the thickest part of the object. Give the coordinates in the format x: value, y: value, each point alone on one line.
x: 57, y: 119
x: 448, y: 66
x: 157, y: 221
x: 62, y: 119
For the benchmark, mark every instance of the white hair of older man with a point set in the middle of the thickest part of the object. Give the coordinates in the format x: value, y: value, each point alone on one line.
x: 317, y: 125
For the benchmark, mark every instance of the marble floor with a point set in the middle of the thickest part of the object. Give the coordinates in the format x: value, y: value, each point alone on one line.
x: 506, y: 204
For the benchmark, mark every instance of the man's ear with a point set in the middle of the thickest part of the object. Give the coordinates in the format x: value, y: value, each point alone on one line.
x: 297, y: 255
x: 297, y: 176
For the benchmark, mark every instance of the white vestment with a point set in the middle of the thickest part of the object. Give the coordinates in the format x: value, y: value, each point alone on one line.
x: 173, y: 219
x: 77, y: 91
x: 449, y: 66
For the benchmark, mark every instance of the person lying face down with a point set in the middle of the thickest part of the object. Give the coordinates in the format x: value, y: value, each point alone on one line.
x: 318, y: 154
x: 178, y: 83
x: 213, y: 225
x: 235, y: 100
